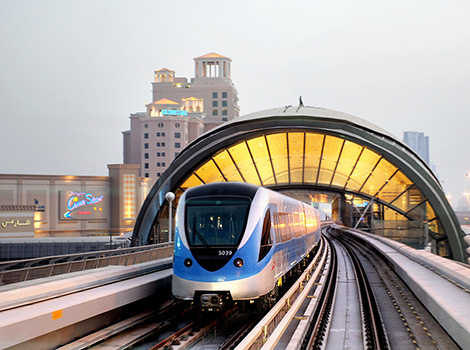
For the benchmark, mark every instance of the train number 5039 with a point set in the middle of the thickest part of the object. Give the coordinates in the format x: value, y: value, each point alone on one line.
x: 225, y: 252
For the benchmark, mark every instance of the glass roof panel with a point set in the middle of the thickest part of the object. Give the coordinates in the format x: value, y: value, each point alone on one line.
x: 381, y: 174
x: 296, y: 154
x: 225, y: 164
x: 208, y: 173
x: 260, y: 154
x: 397, y: 184
x: 278, y: 149
x: 430, y: 214
x: 242, y: 158
x: 418, y: 213
x: 313, y: 150
x: 346, y: 162
x: 191, y: 181
x: 409, y: 199
x: 341, y: 159
x: 331, y: 151
x: 366, y: 163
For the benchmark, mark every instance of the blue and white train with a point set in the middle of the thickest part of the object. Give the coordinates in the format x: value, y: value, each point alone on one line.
x: 234, y: 242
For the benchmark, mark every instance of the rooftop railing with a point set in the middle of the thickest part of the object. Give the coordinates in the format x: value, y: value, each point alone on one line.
x: 30, y: 269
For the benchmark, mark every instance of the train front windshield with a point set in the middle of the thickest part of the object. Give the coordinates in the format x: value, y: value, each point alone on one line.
x: 216, y: 221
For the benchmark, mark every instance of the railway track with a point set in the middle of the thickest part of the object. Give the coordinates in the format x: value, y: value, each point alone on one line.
x: 367, y: 324
x: 338, y: 302
x: 128, y: 332
x: 413, y: 326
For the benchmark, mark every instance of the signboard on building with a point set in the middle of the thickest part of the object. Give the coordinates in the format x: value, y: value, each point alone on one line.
x: 16, y: 221
x: 173, y: 112
x: 82, y: 205
x: 16, y: 224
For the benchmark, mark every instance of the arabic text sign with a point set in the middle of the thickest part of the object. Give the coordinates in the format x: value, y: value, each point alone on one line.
x: 17, y: 223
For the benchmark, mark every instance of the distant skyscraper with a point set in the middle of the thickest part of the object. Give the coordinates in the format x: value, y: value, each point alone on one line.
x: 180, y: 112
x: 418, y: 142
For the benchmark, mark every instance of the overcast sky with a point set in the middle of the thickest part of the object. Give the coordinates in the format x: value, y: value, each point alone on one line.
x: 71, y: 72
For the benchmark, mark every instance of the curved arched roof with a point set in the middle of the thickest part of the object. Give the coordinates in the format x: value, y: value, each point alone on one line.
x: 313, y: 148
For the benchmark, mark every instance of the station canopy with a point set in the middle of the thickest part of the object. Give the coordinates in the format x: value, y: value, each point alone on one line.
x: 377, y: 179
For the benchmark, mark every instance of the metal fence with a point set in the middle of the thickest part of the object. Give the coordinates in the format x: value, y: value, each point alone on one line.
x: 25, y: 270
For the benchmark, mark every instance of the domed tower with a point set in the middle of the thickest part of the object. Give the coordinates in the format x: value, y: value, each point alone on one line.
x: 212, y: 65
x: 164, y: 75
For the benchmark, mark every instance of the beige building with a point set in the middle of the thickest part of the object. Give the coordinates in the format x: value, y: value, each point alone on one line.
x: 181, y: 111
x: 67, y: 206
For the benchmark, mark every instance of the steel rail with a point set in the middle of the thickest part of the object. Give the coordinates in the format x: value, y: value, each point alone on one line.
x: 317, y: 330
x: 374, y: 332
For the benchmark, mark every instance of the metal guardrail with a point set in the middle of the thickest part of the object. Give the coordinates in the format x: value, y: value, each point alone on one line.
x: 269, y: 330
x: 26, y: 270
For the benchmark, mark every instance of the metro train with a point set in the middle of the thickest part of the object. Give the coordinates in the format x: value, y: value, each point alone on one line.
x: 236, y: 242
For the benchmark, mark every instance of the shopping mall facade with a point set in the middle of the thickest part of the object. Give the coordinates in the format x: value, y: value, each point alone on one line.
x: 71, y: 206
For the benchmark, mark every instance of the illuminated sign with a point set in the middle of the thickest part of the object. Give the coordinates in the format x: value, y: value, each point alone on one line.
x: 15, y: 222
x: 129, y: 196
x: 81, y: 205
x: 17, y: 225
x: 173, y: 112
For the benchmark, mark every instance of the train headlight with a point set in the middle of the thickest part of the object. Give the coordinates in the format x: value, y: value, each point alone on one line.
x: 188, y: 262
x: 238, y: 262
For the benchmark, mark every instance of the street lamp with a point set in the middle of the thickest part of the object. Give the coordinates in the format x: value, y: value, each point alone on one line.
x: 170, y: 197
x: 467, y: 194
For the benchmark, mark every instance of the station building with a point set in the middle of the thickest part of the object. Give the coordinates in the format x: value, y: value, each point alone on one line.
x: 373, y: 180
x: 70, y: 206
x: 180, y: 112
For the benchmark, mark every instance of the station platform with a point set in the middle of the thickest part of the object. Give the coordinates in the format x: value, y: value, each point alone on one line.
x: 50, y: 311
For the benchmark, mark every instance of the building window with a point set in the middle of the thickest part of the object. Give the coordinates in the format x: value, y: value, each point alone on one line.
x: 161, y: 125
x: 214, y: 104
x: 224, y: 95
x: 158, y: 144
x: 158, y: 164
x: 146, y: 135
x: 224, y: 103
x: 146, y: 126
x: 224, y: 119
x: 177, y: 145
x: 163, y: 164
x: 163, y: 144
x: 158, y: 154
x: 215, y: 112
x: 158, y: 134
x: 163, y: 134
x: 146, y: 165
x: 146, y: 174
x: 177, y: 135
x: 146, y: 156
x: 146, y: 145
x: 159, y: 174
x: 224, y: 111
x: 163, y: 154
x: 177, y: 154
x: 177, y: 125
x: 214, y: 95
x: 128, y: 196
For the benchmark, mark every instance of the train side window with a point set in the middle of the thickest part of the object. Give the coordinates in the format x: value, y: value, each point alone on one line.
x: 266, y: 239
x: 277, y: 229
x: 285, y: 227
